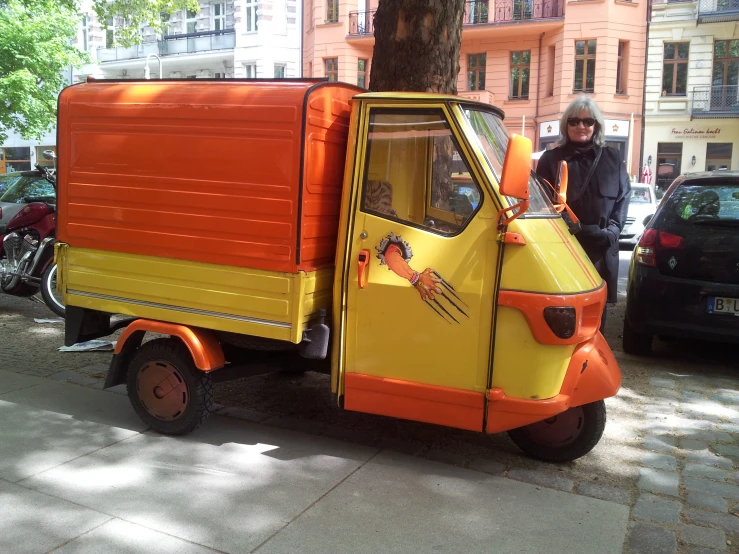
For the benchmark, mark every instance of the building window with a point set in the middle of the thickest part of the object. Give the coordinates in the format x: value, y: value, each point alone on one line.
x: 164, y: 19
x: 362, y: 73
x: 41, y: 159
x: 584, y: 66
x: 476, y: 71
x: 725, y: 63
x: 520, y: 62
x: 218, y: 15
x: 251, y: 16
x: 191, y: 19
x: 109, y: 33
x: 550, y: 72
x: 718, y: 155
x: 14, y: 159
x: 280, y: 70
x: 85, y: 33
x: 675, y: 69
x: 332, y: 68
x: 669, y: 162
x: 219, y: 75
x: 332, y: 11
x: 621, y: 68
x: 250, y: 70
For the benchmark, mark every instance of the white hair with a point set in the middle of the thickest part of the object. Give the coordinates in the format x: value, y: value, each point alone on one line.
x: 582, y: 103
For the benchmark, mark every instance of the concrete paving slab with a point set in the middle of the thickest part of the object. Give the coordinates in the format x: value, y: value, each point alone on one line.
x: 33, y: 522
x: 83, y: 403
x: 230, y: 485
x: 399, y: 504
x: 10, y: 381
x: 33, y: 440
x: 122, y: 537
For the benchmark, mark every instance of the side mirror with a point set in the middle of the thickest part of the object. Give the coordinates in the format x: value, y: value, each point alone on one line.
x: 514, y: 181
x: 563, y: 175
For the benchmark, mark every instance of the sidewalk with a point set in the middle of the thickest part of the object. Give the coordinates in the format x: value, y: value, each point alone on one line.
x: 80, y: 474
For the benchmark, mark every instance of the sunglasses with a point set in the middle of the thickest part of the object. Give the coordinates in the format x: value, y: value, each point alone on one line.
x: 575, y: 121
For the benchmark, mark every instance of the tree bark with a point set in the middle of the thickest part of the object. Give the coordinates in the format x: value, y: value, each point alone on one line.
x: 417, y: 45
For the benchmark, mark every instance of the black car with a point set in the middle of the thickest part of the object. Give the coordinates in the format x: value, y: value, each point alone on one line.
x: 684, y: 273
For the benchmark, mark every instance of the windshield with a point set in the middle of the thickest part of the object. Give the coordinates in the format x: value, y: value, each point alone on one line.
x: 492, y: 138
x: 28, y: 189
x: 640, y: 195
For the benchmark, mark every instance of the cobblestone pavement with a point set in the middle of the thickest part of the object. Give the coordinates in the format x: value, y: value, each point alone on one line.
x: 670, y: 450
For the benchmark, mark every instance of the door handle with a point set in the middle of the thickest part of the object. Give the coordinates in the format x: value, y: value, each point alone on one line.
x: 363, y: 268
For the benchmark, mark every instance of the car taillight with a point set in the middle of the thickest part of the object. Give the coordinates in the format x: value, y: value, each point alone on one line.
x: 645, y: 248
x: 561, y: 320
x: 668, y: 240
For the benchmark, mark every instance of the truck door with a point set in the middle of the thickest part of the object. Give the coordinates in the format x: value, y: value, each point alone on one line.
x: 421, y: 272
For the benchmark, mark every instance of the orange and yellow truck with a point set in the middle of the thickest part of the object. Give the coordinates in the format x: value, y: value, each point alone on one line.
x: 397, y: 241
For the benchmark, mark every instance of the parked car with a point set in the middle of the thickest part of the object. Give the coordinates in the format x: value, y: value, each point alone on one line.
x: 642, y: 206
x: 25, y: 184
x: 684, y: 273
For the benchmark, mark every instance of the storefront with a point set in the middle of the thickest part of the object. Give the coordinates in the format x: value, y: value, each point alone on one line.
x: 690, y: 146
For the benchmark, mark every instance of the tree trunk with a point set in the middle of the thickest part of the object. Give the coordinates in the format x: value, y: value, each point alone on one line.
x: 417, y: 45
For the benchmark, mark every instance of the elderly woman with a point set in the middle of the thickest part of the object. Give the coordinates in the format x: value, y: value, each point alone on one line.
x: 598, y: 190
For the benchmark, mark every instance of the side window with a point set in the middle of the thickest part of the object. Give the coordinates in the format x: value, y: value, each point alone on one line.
x: 414, y: 172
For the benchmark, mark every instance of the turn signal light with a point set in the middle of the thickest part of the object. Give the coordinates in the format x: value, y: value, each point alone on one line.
x: 562, y: 320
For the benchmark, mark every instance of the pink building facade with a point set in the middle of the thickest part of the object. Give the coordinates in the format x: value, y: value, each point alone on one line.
x: 528, y: 57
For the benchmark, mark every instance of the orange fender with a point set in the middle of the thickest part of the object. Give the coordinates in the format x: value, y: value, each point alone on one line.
x: 593, y: 373
x: 204, y: 347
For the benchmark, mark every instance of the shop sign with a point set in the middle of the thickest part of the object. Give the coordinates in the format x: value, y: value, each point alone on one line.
x: 691, y: 132
x: 549, y: 129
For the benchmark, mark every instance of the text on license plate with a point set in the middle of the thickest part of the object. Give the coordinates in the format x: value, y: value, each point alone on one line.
x: 721, y: 305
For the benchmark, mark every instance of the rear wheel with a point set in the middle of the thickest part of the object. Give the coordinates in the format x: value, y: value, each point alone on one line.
x: 52, y: 298
x: 564, y: 437
x: 165, y: 388
x: 639, y: 344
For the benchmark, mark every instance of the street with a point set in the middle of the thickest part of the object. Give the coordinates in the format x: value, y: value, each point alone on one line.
x: 670, y: 450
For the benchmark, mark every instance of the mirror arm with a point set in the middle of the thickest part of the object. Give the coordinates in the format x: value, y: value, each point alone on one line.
x: 504, y: 221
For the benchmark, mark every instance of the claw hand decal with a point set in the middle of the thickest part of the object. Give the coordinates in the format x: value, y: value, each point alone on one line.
x: 435, y: 291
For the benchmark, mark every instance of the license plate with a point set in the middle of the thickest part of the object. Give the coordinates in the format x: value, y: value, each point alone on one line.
x: 721, y: 305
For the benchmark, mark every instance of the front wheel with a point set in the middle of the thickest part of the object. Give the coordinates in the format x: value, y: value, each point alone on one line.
x: 52, y: 298
x: 564, y: 437
x: 165, y: 388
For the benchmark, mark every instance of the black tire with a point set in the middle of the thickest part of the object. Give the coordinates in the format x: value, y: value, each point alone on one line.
x: 579, y: 430
x: 639, y: 344
x: 181, y: 409
x: 48, y: 290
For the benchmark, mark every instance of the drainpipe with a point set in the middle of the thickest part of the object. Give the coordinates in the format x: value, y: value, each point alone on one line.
x: 538, y: 93
x: 644, y: 98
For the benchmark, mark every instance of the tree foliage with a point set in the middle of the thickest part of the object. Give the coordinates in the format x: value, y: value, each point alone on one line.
x: 131, y: 15
x: 35, y: 50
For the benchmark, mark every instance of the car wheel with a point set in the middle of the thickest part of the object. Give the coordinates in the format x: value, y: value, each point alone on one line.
x: 639, y: 344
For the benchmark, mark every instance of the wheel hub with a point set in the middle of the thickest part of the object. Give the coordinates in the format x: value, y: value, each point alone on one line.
x: 559, y: 430
x: 162, y: 390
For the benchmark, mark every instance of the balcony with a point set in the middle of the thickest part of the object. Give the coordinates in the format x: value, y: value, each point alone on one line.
x: 717, y: 11
x: 511, y: 11
x: 362, y: 23
x: 189, y: 43
x: 715, y: 101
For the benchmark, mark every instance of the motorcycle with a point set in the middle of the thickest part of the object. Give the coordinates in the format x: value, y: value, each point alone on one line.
x: 27, y: 246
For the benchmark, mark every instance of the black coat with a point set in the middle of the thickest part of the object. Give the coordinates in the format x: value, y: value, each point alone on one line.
x: 601, y: 207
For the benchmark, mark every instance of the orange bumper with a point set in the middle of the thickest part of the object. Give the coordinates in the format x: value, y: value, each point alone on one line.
x: 593, y: 374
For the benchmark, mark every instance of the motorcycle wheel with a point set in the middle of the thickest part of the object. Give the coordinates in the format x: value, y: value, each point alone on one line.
x: 52, y: 298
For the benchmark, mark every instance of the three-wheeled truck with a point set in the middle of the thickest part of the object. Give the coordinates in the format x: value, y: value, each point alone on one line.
x: 397, y: 241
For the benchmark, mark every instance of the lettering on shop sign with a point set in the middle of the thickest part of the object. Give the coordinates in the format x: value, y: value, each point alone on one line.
x: 696, y: 133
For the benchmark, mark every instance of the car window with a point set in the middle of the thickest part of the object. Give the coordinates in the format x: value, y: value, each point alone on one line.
x: 8, y: 180
x: 641, y: 195
x: 29, y: 188
x: 703, y: 203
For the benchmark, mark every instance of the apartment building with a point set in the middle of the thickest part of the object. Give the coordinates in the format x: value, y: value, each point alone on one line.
x: 528, y: 57
x: 225, y: 39
x: 692, y: 88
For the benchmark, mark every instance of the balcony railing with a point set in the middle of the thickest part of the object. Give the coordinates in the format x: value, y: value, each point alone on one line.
x: 522, y: 10
x: 715, y: 11
x: 362, y: 23
x: 475, y: 11
x: 716, y: 101
x: 172, y: 44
